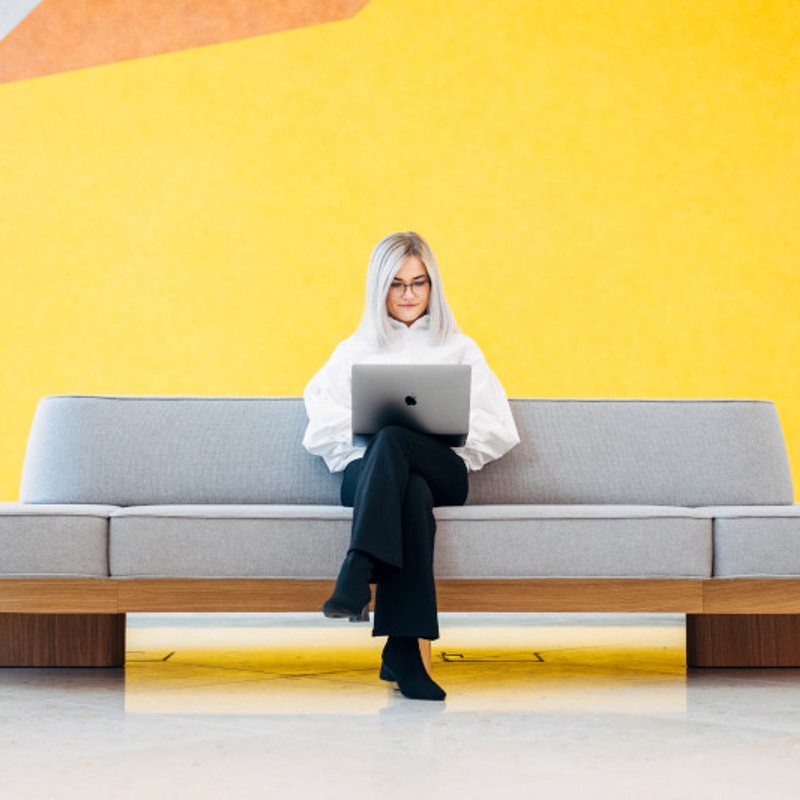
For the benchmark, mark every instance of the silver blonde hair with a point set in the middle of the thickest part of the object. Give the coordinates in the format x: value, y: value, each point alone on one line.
x: 387, y: 258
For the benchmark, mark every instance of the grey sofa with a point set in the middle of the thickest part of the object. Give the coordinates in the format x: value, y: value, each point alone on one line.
x: 211, y: 504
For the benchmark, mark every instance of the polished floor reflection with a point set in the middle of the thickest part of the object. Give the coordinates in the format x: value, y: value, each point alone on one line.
x: 234, y: 706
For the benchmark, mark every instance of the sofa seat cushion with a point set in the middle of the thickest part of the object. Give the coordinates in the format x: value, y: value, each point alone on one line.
x: 756, y: 541
x: 304, y: 541
x: 573, y: 541
x: 229, y: 541
x: 54, y: 540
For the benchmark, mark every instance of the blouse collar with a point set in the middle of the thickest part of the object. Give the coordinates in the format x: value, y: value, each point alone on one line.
x: 418, y: 326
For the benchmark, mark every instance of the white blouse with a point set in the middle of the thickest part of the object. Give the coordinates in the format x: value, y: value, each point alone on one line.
x: 492, y: 431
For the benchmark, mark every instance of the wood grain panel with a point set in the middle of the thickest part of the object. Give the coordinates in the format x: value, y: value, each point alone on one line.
x: 743, y: 640
x: 62, y: 640
x: 248, y: 594
x: 453, y: 595
x: 232, y: 595
x: 566, y: 594
x: 97, y: 595
x: 752, y: 595
x: 62, y: 595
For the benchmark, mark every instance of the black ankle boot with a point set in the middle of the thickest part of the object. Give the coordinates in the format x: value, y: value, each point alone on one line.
x: 402, y: 663
x: 351, y: 594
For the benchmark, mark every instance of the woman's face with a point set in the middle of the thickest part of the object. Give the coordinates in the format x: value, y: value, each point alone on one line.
x: 408, y: 295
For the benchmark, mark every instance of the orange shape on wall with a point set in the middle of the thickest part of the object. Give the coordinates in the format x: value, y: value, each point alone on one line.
x: 63, y: 35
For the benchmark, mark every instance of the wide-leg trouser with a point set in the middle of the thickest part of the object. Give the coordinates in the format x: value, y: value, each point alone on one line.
x: 393, y: 490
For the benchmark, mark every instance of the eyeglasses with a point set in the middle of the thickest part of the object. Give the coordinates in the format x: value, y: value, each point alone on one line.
x: 417, y: 287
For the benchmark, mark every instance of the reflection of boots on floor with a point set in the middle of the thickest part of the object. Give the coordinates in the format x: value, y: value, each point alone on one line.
x: 402, y: 663
x: 351, y: 594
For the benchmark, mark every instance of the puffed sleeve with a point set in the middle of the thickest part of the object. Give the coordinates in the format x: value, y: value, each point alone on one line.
x: 492, y: 430
x: 327, y: 401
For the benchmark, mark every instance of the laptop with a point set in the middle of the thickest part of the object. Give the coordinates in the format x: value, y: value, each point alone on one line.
x: 428, y: 398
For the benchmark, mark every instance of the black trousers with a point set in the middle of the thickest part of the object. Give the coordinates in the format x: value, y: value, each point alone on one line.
x: 393, y: 490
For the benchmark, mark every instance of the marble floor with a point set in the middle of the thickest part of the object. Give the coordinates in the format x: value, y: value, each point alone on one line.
x: 263, y: 705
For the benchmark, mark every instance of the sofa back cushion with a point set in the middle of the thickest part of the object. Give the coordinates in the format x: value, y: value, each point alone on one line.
x: 131, y: 450
x: 156, y: 450
x: 642, y: 452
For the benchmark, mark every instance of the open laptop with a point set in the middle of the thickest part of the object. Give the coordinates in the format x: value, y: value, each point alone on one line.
x: 429, y: 398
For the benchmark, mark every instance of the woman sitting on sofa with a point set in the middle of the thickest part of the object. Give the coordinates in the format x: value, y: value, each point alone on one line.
x: 394, y: 483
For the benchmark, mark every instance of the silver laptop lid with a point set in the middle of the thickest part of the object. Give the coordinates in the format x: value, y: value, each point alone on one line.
x: 429, y: 398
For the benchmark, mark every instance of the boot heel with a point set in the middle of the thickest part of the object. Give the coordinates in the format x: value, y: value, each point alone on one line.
x: 386, y: 674
x: 363, y: 616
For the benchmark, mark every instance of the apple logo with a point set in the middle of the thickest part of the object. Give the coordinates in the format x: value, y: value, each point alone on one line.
x: 411, y: 400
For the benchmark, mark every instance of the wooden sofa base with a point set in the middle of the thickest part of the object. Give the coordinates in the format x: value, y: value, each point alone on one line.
x: 62, y: 640
x: 81, y: 622
x: 743, y: 640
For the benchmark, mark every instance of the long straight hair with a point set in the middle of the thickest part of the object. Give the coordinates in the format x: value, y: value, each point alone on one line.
x: 387, y: 258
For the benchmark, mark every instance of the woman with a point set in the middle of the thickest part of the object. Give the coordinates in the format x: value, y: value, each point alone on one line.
x: 394, y: 483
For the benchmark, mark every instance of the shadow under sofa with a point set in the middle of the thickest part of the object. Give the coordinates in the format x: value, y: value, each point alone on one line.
x: 210, y: 504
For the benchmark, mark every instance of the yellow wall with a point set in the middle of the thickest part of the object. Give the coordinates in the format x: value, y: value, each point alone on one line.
x: 611, y: 187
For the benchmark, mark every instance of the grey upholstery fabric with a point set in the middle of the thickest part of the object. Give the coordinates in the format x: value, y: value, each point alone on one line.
x: 150, y: 450
x: 502, y: 541
x: 221, y: 487
x: 573, y: 541
x: 757, y: 542
x: 224, y: 541
x: 136, y: 451
x: 501, y: 512
x: 649, y: 452
x: 54, y: 540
